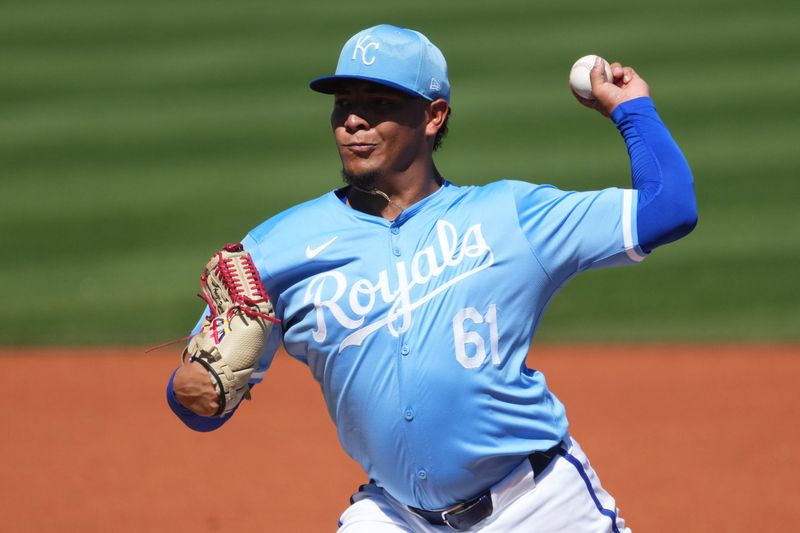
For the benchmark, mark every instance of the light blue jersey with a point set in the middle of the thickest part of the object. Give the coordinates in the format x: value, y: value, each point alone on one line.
x: 417, y: 330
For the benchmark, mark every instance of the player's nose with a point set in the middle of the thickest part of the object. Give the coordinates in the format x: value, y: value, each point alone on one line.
x: 356, y: 121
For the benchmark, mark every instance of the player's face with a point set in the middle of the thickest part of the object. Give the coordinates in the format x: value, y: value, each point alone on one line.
x: 379, y: 131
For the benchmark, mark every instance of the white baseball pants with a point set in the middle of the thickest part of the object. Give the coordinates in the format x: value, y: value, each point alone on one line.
x: 566, y: 497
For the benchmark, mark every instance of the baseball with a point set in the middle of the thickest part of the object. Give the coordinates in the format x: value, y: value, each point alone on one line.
x: 579, y: 79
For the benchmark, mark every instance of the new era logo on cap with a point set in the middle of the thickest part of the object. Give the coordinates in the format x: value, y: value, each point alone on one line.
x: 393, y: 56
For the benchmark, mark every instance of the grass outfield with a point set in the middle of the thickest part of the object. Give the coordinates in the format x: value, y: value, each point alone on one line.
x: 122, y: 123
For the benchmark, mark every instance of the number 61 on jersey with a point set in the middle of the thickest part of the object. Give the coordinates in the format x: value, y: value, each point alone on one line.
x: 464, y: 337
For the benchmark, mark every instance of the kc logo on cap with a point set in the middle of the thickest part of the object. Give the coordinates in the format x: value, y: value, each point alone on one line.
x: 363, y: 46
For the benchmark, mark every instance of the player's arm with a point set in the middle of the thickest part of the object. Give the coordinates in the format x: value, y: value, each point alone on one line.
x: 666, y: 209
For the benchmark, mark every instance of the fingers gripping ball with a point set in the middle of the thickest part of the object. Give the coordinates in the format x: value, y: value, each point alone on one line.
x: 232, y: 338
x: 579, y: 79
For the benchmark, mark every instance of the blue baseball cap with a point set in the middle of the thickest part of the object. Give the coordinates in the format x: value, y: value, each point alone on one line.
x: 393, y: 56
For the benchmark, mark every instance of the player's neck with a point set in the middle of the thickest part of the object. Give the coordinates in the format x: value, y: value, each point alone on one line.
x: 389, y: 197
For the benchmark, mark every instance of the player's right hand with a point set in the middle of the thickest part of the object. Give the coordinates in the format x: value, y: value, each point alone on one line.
x: 625, y: 85
x: 194, y: 390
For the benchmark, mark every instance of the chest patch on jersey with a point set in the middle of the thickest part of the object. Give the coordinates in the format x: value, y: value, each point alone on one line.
x: 449, y: 259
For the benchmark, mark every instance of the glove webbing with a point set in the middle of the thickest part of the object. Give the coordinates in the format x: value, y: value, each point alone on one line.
x: 234, y: 285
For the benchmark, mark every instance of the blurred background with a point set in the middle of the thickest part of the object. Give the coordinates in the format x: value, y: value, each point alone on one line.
x: 136, y: 138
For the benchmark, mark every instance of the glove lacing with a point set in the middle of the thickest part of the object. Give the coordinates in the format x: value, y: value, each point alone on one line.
x: 235, y: 285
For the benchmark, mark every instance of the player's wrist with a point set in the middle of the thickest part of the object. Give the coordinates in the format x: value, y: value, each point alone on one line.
x: 634, y: 106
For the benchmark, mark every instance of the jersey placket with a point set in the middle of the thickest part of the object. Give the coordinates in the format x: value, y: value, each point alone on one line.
x: 404, y: 365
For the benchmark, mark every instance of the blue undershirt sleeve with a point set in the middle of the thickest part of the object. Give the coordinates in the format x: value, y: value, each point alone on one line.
x: 666, y: 208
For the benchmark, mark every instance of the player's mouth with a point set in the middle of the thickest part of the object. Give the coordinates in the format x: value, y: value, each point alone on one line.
x: 360, y: 149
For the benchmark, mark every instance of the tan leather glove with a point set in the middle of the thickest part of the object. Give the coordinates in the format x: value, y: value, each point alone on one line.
x: 232, y: 338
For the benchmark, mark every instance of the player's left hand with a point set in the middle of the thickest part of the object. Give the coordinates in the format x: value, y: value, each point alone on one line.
x: 625, y: 85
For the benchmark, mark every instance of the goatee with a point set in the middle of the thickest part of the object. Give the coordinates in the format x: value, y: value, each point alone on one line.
x: 364, y: 180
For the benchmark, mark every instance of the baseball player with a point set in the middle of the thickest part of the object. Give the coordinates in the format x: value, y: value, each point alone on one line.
x: 414, y: 300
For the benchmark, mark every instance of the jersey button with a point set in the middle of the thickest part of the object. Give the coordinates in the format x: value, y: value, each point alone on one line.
x: 396, y: 251
x: 404, y: 350
x: 422, y: 474
x: 395, y: 230
x: 409, y: 415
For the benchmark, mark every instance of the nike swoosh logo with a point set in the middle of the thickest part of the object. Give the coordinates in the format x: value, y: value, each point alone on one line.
x: 311, y: 253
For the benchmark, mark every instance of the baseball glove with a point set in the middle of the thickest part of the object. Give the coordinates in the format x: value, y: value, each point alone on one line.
x: 232, y: 338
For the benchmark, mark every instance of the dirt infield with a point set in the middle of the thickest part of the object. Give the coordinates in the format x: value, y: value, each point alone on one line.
x: 688, y: 438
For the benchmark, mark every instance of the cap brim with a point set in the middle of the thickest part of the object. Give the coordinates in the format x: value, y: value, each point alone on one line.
x: 333, y: 84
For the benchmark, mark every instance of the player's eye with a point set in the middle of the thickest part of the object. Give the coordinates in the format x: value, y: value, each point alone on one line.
x: 385, y: 104
x: 341, y: 103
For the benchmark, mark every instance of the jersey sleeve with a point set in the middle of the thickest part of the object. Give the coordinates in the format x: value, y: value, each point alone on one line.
x: 572, y: 231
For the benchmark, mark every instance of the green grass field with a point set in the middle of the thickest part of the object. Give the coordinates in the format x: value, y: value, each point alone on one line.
x: 122, y: 123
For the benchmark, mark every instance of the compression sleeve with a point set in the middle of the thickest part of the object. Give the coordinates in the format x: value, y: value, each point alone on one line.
x: 666, y: 208
x: 190, y: 419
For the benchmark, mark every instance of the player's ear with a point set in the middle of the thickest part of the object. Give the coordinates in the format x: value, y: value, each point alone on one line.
x: 437, y: 114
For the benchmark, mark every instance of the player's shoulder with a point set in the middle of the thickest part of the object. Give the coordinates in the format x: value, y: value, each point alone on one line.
x: 519, y: 187
x: 289, y: 232
x: 288, y: 223
x: 512, y: 189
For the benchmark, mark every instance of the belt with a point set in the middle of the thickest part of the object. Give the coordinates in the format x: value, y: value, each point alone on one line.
x: 466, y: 514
